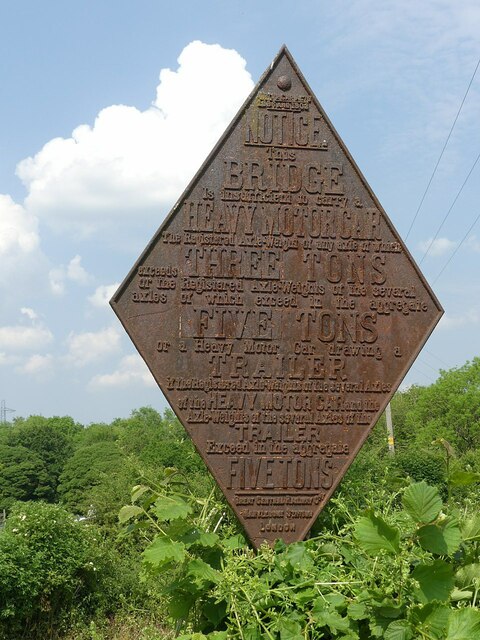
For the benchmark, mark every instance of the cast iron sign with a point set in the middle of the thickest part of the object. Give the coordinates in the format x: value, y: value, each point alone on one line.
x: 277, y: 308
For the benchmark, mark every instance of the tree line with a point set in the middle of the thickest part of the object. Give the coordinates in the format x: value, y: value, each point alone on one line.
x: 66, y: 564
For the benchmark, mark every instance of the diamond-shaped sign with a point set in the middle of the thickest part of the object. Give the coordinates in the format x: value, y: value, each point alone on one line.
x: 277, y: 308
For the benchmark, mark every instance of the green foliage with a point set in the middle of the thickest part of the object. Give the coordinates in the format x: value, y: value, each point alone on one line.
x: 449, y: 409
x: 158, y: 440
x: 375, y: 535
x: 421, y: 464
x: 421, y: 502
x: 394, y: 574
x: 32, y: 455
x: 50, y: 565
x: 464, y: 625
x: 179, y: 529
x: 367, y: 478
x: 23, y: 476
x: 89, y: 465
x: 387, y: 558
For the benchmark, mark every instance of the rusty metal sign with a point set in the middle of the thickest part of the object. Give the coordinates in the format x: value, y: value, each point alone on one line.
x: 277, y: 308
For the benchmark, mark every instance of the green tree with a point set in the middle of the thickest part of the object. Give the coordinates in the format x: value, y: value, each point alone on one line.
x: 50, y: 440
x: 53, y: 569
x: 89, y: 466
x: 449, y: 409
x: 158, y: 441
x: 23, y: 476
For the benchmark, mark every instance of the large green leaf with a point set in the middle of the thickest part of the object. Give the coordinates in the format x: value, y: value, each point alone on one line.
x: 422, y: 502
x: 457, y: 595
x: 471, y: 528
x: 431, y: 620
x: 290, y: 629
x: 202, y: 573
x: 325, y: 616
x: 468, y: 575
x: 435, y: 581
x: 357, y: 611
x: 197, y: 537
x: 390, y: 611
x: 128, y: 512
x: 304, y: 596
x: 443, y: 538
x: 336, y: 622
x: 234, y: 542
x: 296, y: 554
x: 215, y: 612
x: 463, y: 478
x: 171, y: 507
x: 138, y: 491
x: 252, y: 632
x: 335, y: 600
x: 399, y: 630
x: 180, y: 604
x: 378, y: 625
x: 464, y: 624
x: 207, y: 539
x: 374, y: 535
x: 163, y: 550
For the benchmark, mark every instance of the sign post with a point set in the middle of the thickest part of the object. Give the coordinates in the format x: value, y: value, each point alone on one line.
x: 277, y: 308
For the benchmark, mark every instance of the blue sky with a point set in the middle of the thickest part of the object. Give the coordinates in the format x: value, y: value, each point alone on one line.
x: 93, y: 153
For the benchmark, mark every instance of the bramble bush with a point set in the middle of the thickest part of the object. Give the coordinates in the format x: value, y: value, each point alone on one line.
x: 409, y: 569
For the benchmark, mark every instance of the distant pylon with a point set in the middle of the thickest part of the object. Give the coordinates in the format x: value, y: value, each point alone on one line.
x: 3, y: 412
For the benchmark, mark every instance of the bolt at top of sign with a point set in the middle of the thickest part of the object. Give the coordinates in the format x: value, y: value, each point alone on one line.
x: 277, y: 308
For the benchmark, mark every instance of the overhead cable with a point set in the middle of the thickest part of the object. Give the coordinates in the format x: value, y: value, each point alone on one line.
x: 436, y: 357
x: 442, y: 151
x: 457, y: 247
x: 449, y: 210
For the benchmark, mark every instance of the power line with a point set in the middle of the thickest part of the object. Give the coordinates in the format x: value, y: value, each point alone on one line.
x: 423, y: 374
x: 442, y: 152
x: 450, y: 209
x: 436, y: 357
x: 428, y: 365
x: 457, y: 248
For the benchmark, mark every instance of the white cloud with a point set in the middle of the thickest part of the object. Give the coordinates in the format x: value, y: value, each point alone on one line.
x: 20, y: 254
x: 439, y: 246
x: 131, y: 163
x: 37, y: 365
x: 397, y: 44
x: 471, y: 316
x: 30, y: 313
x: 56, y: 279
x: 474, y: 243
x: 74, y: 271
x: 102, y: 295
x: 89, y: 346
x: 18, y: 229
x: 131, y: 369
x: 20, y: 338
x: 7, y: 359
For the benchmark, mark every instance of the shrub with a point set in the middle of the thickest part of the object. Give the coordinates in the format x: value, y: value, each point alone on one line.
x: 401, y: 571
x: 421, y: 465
x: 52, y: 570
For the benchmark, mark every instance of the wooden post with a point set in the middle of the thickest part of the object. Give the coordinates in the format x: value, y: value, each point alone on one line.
x: 391, y: 439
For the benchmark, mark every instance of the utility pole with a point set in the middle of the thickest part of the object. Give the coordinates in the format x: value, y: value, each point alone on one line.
x: 391, y: 439
x: 3, y: 412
